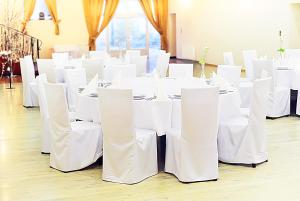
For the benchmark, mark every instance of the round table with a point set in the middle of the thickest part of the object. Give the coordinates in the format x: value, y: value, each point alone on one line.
x: 158, y: 114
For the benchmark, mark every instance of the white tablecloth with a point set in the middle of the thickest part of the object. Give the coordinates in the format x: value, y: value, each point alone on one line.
x: 287, y: 78
x: 158, y: 115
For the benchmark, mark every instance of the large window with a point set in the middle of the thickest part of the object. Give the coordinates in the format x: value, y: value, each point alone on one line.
x: 129, y: 29
x: 40, y: 10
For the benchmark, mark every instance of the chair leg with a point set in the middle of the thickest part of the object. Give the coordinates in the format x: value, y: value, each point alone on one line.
x: 253, y: 165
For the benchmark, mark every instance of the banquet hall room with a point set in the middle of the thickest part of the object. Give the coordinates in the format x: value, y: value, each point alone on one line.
x: 149, y: 100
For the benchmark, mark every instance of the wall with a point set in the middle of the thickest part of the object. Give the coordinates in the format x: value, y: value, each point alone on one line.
x: 235, y: 25
x: 72, y: 27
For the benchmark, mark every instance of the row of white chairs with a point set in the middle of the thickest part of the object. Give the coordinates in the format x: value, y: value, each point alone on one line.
x: 130, y: 154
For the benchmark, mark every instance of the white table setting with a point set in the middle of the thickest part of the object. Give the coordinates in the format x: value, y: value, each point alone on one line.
x: 157, y: 101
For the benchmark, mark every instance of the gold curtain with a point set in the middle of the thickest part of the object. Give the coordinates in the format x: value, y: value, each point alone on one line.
x: 51, y: 4
x: 97, y: 11
x: 157, y: 13
x: 28, y: 11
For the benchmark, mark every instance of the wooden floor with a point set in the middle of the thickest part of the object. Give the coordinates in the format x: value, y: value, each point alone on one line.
x: 25, y: 173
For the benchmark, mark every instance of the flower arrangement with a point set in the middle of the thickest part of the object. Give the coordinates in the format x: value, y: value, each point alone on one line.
x: 281, y: 50
x: 203, y: 56
x: 202, y: 61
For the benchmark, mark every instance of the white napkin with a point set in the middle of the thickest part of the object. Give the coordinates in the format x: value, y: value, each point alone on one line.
x: 91, y: 87
x: 219, y: 82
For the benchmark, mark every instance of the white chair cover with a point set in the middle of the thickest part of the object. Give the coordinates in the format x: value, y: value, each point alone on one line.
x: 74, y: 78
x: 242, y: 140
x: 249, y: 56
x: 130, y: 154
x: 141, y: 64
x: 30, y: 99
x: 76, y: 63
x: 93, y: 67
x: 191, y: 154
x: 131, y: 53
x: 279, y: 99
x: 60, y: 59
x: 230, y: 73
x: 181, y: 70
x: 103, y: 55
x: 47, y: 66
x: 46, y: 132
x: 228, y: 58
x: 112, y: 72
x: 162, y: 64
x: 74, y: 145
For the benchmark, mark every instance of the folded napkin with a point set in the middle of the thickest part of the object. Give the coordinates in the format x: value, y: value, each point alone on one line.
x: 91, y: 87
x: 220, y: 82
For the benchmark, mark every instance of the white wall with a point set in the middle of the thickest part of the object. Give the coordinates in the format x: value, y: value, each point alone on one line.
x: 235, y: 25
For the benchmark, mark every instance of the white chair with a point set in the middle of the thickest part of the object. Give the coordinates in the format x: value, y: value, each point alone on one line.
x: 181, y: 70
x: 30, y: 99
x: 46, y: 131
x: 47, y: 66
x: 141, y: 64
x: 130, y: 154
x: 242, y: 140
x: 74, y: 78
x: 249, y: 56
x: 279, y: 99
x: 75, y: 63
x: 60, y: 59
x: 112, y: 72
x: 228, y: 58
x: 103, y: 55
x: 131, y: 53
x: 74, y: 145
x: 191, y: 153
x: 162, y: 64
x: 232, y: 74
x: 93, y: 67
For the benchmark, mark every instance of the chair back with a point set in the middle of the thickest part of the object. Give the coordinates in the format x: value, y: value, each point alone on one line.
x: 92, y: 67
x: 181, y: 70
x: 162, y: 64
x: 60, y: 59
x: 74, y: 78
x: 29, y: 68
x: 58, y: 112
x: 200, y: 115
x: 131, y: 53
x: 76, y: 63
x: 232, y: 74
x: 264, y: 65
x: 141, y: 64
x: 116, y: 109
x: 249, y: 56
x: 228, y: 58
x: 112, y: 72
x: 259, y: 103
x: 47, y: 66
x: 103, y: 55
x: 41, y: 81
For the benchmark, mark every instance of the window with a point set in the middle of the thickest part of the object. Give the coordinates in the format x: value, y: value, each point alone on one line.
x: 41, y: 7
x: 129, y: 29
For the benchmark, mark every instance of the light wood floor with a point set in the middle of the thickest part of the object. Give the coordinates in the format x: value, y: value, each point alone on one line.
x: 25, y: 173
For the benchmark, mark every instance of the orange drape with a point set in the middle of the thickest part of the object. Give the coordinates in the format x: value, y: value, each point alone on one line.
x: 157, y: 13
x: 51, y: 4
x: 97, y: 11
x: 28, y: 11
